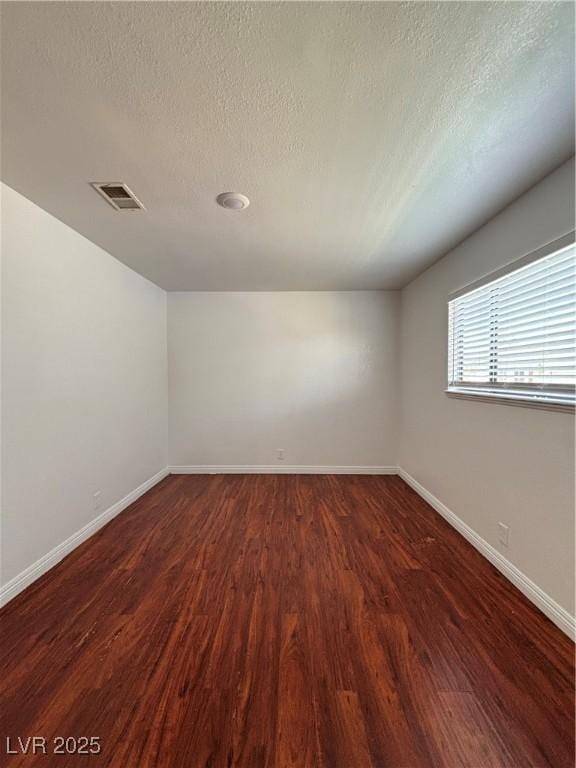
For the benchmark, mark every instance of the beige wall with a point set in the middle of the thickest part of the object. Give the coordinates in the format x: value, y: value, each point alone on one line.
x: 83, y: 382
x: 312, y: 373
x: 486, y: 462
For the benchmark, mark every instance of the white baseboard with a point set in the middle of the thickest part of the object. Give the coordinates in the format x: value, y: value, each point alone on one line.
x: 278, y: 469
x: 34, y: 571
x: 560, y: 616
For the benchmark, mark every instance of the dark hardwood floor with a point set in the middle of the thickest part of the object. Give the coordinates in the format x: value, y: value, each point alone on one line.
x: 284, y: 621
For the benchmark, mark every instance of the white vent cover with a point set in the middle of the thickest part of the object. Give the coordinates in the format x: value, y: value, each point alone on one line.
x: 119, y: 195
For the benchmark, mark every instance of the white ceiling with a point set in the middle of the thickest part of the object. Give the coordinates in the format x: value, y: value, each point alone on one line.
x: 370, y: 137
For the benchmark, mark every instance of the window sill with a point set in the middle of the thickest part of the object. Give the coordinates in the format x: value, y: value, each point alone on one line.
x: 548, y: 404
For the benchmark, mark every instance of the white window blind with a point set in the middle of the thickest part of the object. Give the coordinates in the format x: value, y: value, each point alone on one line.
x: 515, y: 336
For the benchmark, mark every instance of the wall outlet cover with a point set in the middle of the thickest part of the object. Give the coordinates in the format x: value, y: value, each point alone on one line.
x: 503, y: 534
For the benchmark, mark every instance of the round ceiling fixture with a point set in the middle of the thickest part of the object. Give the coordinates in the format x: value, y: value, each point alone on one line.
x: 233, y: 201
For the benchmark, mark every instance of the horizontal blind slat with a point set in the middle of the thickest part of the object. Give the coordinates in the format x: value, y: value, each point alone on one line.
x: 542, y: 341
x: 546, y: 265
x: 565, y: 314
x: 521, y: 294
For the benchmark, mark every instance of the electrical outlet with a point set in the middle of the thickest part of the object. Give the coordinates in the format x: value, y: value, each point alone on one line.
x: 97, y: 500
x: 280, y: 454
x: 503, y: 534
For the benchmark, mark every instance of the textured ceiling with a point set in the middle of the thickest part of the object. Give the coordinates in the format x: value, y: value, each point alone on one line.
x: 370, y: 137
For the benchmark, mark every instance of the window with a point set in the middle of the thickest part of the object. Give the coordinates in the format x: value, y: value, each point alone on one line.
x: 512, y: 337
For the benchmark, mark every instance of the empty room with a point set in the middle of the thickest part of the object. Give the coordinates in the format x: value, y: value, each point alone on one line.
x: 288, y: 371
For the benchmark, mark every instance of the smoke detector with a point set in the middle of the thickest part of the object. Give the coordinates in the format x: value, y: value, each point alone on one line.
x: 233, y: 201
x: 118, y: 194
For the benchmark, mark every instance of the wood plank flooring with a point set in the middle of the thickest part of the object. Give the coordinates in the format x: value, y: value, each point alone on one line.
x: 284, y: 621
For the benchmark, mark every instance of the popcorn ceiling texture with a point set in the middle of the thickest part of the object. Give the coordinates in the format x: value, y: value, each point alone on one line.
x: 370, y: 137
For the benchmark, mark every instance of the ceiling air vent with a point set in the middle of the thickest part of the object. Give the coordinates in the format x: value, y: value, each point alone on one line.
x: 118, y: 195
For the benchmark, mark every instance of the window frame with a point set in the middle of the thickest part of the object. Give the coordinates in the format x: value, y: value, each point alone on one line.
x: 531, y: 395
